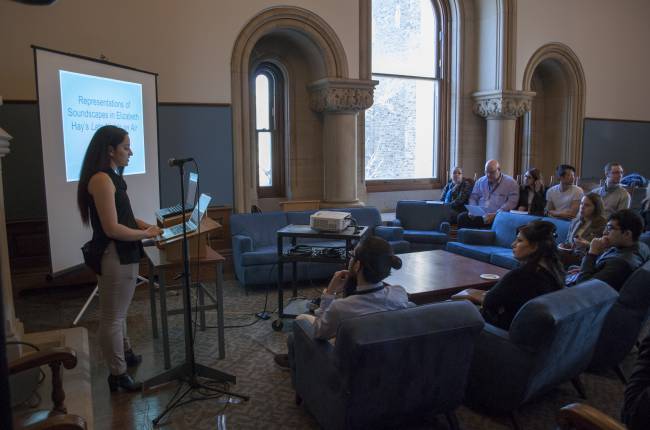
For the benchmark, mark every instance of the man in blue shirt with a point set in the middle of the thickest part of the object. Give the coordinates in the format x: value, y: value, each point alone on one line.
x: 493, y: 192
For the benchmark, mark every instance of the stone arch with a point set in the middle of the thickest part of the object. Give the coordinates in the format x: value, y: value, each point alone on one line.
x: 564, y: 64
x: 287, y: 21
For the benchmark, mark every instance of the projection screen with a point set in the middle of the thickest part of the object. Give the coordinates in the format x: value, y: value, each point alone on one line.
x: 76, y: 96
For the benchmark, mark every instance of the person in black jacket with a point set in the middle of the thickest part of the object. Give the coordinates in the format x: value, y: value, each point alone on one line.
x: 540, y: 272
x: 645, y: 209
x: 532, y: 194
x: 636, y: 406
x: 456, y: 193
x: 613, y: 257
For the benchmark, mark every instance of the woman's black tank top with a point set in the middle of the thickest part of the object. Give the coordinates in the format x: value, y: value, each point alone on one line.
x: 131, y: 251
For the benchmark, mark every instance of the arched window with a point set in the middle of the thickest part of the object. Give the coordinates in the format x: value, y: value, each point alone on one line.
x: 269, y: 130
x: 402, y: 128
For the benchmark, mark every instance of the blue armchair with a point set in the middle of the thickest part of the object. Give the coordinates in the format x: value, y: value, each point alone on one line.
x: 551, y: 340
x: 624, y: 322
x: 386, y: 368
x: 425, y: 223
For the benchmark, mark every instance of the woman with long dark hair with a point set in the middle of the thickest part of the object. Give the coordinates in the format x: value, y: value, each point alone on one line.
x: 116, y: 248
x: 586, y: 226
x: 540, y: 272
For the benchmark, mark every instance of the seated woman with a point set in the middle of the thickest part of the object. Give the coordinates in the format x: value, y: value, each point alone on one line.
x: 587, y: 225
x: 456, y: 193
x: 357, y: 291
x: 532, y: 194
x: 540, y: 272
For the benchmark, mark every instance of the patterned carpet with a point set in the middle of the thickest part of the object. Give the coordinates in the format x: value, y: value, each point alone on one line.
x: 249, y: 356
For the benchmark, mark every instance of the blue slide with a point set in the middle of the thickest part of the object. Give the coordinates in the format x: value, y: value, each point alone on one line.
x: 90, y: 102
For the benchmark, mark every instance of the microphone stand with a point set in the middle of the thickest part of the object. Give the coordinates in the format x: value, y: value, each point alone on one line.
x: 190, y: 371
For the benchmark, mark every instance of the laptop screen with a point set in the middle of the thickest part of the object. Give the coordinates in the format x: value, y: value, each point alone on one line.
x: 192, y: 183
x: 200, y: 209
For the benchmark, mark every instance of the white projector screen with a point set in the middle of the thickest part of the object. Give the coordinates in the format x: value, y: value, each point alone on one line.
x: 76, y: 96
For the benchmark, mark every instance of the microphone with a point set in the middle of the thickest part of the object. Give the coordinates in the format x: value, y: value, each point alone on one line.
x: 178, y: 161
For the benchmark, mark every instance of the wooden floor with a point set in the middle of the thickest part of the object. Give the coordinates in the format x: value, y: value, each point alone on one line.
x: 249, y: 356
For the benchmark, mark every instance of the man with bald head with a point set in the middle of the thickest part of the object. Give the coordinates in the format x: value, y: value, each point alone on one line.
x: 493, y: 192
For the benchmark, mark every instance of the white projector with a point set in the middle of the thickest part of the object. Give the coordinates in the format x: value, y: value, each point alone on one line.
x: 330, y: 221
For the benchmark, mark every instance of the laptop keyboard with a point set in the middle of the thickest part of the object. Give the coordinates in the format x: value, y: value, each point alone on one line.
x: 172, y: 210
x: 177, y: 230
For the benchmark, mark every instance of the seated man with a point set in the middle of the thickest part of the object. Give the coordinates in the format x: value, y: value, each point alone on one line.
x: 563, y: 199
x: 359, y: 289
x: 636, y: 406
x: 493, y: 192
x: 614, y: 196
x: 617, y: 254
x: 456, y: 193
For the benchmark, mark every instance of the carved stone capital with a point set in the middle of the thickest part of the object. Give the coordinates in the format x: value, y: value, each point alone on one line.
x: 341, y: 95
x: 504, y: 104
x: 4, y: 140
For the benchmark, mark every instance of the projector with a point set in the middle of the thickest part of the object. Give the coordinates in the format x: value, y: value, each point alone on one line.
x: 330, y: 221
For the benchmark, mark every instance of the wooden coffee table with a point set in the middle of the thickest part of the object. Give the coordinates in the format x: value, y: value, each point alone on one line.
x: 432, y: 276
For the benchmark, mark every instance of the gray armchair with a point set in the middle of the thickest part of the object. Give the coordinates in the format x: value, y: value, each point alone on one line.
x: 386, y: 368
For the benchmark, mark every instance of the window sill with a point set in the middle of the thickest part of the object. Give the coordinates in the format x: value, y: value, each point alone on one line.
x: 377, y: 186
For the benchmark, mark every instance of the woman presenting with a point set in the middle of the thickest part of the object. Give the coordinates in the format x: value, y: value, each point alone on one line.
x: 116, y: 241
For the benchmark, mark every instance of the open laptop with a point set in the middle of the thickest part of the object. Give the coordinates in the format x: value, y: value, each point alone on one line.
x: 191, y: 224
x: 192, y: 183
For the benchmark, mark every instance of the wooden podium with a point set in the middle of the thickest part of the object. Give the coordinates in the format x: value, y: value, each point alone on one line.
x: 196, y: 241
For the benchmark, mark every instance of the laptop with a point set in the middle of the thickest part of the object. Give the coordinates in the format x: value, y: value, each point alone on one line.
x: 191, y: 224
x: 192, y: 183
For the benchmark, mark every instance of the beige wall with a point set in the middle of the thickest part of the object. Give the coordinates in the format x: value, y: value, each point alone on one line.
x: 188, y: 43
x: 609, y: 37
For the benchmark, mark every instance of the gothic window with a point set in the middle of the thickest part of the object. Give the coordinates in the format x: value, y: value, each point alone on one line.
x: 269, y: 130
x: 402, y: 128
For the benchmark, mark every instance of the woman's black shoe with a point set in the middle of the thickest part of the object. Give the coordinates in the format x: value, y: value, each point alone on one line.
x: 131, y: 358
x: 123, y: 381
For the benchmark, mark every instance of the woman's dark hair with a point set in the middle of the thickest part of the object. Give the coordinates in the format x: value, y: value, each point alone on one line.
x: 543, y: 234
x: 376, y: 257
x: 534, y: 173
x: 96, y: 160
x: 599, y: 206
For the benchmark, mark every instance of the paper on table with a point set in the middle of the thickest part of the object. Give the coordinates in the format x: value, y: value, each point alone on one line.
x: 475, y: 210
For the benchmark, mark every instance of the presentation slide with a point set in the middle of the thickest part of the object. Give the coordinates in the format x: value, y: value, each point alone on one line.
x: 76, y: 96
x: 90, y: 102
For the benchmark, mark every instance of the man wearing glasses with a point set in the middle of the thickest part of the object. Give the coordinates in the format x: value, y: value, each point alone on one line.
x: 613, y: 257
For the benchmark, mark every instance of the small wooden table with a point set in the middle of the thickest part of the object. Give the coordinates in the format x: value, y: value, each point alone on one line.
x: 432, y: 276
x: 158, y: 263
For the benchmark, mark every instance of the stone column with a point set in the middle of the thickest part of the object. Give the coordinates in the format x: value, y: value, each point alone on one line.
x: 340, y: 100
x: 12, y: 327
x: 501, y: 108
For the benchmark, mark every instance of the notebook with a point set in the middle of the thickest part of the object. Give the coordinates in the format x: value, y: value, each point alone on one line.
x: 192, y: 182
x: 191, y: 224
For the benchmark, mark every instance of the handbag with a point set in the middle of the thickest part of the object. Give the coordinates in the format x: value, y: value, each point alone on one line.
x: 93, y: 252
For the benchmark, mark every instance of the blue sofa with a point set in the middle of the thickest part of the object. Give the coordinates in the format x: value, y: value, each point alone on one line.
x: 624, y: 322
x: 551, y: 340
x: 254, y: 244
x: 425, y: 223
x: 494, y: 245
x: 386, y: 368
